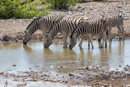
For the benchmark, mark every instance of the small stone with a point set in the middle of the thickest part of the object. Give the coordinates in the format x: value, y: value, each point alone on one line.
x: 14, y: 65
x: 61, y: 67
x: 71, y: 74
x: 105, y: 85
x: 1, y: 72
x: 79, y: 6
x: 127, y: 85
x: 16, y: 40
x: 119, y: 65
x: 119, y: 6
x: 6, y: 38
x: 21, y: 84
x: 125, y: 18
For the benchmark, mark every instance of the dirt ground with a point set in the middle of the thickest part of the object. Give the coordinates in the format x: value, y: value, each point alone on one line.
x: 15, y: 28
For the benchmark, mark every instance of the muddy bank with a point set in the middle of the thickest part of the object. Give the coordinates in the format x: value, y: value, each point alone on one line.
x: 90, y: 76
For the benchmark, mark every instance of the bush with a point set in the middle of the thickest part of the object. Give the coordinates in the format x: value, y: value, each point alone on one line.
x: 62, y: 4
x: 22, y: 8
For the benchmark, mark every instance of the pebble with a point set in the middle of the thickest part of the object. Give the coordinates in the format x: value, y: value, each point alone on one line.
x: 125, y: 18
x: 16, y: 40
x: 105, y: 85
x: 14, y: 65
x: 6, y: 38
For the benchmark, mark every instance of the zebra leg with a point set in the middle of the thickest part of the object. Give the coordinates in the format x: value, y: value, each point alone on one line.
x: 109, y: 34
x: 89, y: 37
x: 80, y: 44
x: 119, y: 32
x: 64, y: 41
x: 123, y: 31
x: 100, y: 37
x: 104, y: 39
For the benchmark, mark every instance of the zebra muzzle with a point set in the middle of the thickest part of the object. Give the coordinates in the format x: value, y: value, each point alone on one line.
x: 70, y: 47
x: 25, y: 43
x: 45, y: 46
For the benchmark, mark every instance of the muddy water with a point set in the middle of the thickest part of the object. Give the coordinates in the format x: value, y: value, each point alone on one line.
x: 18, y: 57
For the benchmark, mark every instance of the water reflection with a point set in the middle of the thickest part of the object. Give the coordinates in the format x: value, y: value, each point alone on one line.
x: 36, y: 57
x: 9, y: 46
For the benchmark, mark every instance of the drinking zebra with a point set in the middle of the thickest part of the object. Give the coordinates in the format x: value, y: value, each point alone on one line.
x: 66, y: 27
x: 41, y: 23
x: 115, y: 21
x: 90, y: 28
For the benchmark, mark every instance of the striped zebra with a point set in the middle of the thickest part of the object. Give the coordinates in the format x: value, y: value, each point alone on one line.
x: 42, y: 23
x: 115, y: 21
x: 65, y: 27
x: 90, y: 28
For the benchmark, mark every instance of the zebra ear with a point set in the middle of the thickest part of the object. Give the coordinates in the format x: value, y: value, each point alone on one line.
x: 47, y: 35
x: 119, y: 15
x: 26, y: 31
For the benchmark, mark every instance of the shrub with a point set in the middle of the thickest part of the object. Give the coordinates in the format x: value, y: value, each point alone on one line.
x: 62, y: 4
x: 22, y: 8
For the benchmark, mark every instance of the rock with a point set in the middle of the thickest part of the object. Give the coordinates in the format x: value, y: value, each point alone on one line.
x: 1, y: 72
x: 79, y: 6
x: 71, y: 74
x: 105, y: 85
x: 6, y: 38
x: 125, y: 18
x: 16, y: 40
x: 127, y: 86
x: 14, y: 65
x: 119, y: 6
x: 21, y: 84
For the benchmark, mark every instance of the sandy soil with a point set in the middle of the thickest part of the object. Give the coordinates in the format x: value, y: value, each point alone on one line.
x: 15, y: 28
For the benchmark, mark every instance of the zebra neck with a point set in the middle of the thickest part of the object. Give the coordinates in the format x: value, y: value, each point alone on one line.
x: 53, y: 32
x: 32, y: 32
x: 78, y: 31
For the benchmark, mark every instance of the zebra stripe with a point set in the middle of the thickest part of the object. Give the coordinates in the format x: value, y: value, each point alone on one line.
x: 41, y: 23
x: 65, y: 26
x: 115, y: 21
x: 90, y: 28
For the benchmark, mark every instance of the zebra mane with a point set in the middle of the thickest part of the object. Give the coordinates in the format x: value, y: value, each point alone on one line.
x: 55, y: 23
x: 80, y: 22
x: 35, y: 19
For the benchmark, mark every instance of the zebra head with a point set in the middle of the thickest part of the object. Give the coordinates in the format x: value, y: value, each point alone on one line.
x: 72, y: 42
x: 27, y: 37
x: 32, y: 27
x: 47, y: 41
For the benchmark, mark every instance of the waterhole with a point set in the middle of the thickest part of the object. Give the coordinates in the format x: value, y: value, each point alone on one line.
x: 19, y: 57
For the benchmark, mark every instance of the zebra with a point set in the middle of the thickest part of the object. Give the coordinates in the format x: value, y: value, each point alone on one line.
x: 66, y: 27
x: 42, y: 23
x: 115, y: 21
x: 90, y: 28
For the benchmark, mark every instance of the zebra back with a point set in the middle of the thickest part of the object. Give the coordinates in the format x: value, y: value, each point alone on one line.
x: 47, y: 21
x: 67, y: 23
x: 115, y: 20
x: 32, y: 27
x: 94, y: 27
